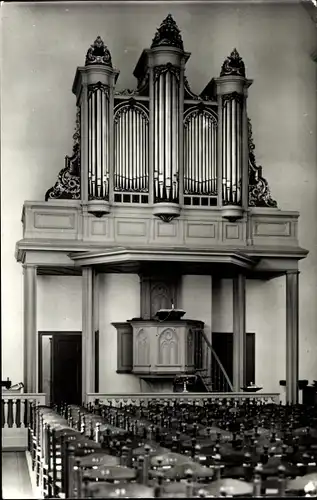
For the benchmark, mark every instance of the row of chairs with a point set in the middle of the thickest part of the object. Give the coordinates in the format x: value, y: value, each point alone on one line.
x: 164, y: 450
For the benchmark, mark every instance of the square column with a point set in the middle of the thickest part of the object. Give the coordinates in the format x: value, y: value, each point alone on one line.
x: 239, y: 333
x: 30, y: 328
x: 88, y: 336
x: 292, y: 337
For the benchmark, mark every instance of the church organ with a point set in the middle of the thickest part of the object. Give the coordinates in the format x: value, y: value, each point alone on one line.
x: 161, y: 182
x: 161, y: 144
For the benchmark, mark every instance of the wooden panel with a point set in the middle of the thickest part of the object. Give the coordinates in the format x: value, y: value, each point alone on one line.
x: 169, y: 351
x: 201, y: 230
x: 124, y: 347
x: 131, y: 228
x: 190, y: 349
x: 166, y: 231
x: 56, y: 220
x: 99, y: 227
x: 158, y: 293
x: 270, y: 230
x: 141, y: 350
x: 274, y: 229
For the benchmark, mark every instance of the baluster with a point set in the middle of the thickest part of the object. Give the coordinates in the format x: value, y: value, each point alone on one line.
x: 17, y: 420
x: 5, y: 413
x: 10, y: 413
x: 26, y: 409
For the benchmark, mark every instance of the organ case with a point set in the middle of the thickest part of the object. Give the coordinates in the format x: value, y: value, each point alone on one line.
x: 161, y: 145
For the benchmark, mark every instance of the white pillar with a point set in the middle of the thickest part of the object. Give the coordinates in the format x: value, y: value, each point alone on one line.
x: 292, y: 337
x: 30, y: 329
x: 239, y: 333
x: 88, y: 335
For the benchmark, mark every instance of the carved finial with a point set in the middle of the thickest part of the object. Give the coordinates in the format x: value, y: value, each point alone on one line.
x: 98, y: 53
x: 233, y: 65
x: 168, y: 34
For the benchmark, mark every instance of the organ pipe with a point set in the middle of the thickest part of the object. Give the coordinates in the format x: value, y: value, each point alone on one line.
x: 200, y: 152
x: 231, y: 150
x: 98, y: 143
x: 131, y: 165
x: 166, y: 134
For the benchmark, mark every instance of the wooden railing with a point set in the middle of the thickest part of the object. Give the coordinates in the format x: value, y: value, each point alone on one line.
x: 190, y: 397
x: 15, y: 418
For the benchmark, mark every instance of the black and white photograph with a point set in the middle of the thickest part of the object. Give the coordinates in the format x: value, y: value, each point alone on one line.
x: 159, y: 248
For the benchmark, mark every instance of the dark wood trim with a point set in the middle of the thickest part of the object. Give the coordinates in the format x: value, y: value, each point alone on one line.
x: 42, y: 334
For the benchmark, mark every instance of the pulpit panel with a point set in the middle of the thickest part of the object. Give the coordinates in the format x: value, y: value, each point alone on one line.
x: 142, y: 350
x: 168, y: 348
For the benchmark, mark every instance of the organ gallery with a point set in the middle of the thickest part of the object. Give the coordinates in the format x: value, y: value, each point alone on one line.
x: 162, y: 184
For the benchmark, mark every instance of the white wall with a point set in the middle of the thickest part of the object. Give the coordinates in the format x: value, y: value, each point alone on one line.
x: 119, y: 301
x: 222, y: 310
x: 43, y: 44
x: 59, y: 303
x: 196, y: 299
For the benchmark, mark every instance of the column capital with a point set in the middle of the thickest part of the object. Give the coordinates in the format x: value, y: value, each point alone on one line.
x: 29, y: 266
x: 290, y: 272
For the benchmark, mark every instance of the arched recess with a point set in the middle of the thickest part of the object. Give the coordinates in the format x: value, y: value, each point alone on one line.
x: 131, y: 139
x: 200, y: 151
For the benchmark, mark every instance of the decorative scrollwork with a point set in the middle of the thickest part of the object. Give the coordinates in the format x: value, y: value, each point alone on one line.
x: 168, y: 34
x: 68, y: 181
x: 164, y: 68
x: 233, y: 65
x: 233, y: 96
x: 259, y: 191
x: 98, y: 86
x: 126, y: 92
x: 200, y: 110
x: 98, y: 53
x: 166, y: 218
x: 129, y: 104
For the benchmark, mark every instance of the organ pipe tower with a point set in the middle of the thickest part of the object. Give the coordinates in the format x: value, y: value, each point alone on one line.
x: 161, y: 145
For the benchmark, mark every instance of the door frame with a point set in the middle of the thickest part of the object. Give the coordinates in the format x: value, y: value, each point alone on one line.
x: 42, y: 334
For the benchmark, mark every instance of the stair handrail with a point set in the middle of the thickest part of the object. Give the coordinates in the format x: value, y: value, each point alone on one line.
x: 209, y: 345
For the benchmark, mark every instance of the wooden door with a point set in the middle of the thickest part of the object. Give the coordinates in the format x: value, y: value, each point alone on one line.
x: 223, y: 346
x: 66, y: 368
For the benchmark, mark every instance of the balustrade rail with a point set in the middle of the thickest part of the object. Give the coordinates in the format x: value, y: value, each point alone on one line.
x: 15, y: 417
x: 208, y: 365
x: 188, y: 397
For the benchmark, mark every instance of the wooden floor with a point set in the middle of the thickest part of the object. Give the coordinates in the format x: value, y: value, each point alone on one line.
x: 16, y: 481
